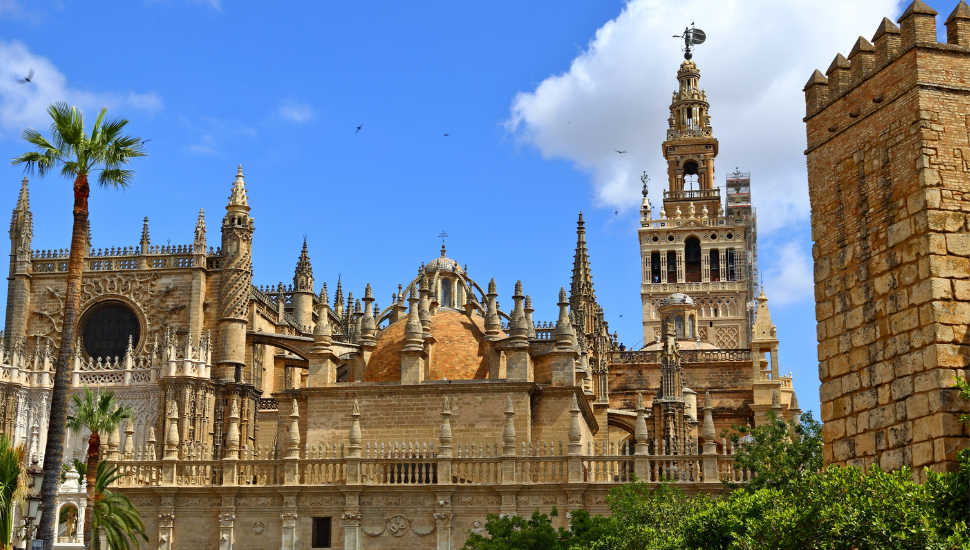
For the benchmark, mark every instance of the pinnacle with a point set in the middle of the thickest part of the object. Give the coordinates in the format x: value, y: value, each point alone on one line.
x: 885, y: 26
x: 962, y: 11
x: 861, y: 45
x: 23, y: 201
x: 840, y: 62
x: 816, y: 78
x: 238, y: 196
x: 917, y: 7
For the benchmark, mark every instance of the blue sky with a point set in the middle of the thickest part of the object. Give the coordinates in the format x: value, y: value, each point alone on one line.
x: 534, y: 96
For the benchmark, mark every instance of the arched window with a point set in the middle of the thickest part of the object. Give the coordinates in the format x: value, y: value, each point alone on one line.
x: 715, y: 265
x: 446, y: 293
x: 690, y: 326
x: 654, y: 267
x: 679, y: 326
x: 671, y: 267
x: 692, y: 260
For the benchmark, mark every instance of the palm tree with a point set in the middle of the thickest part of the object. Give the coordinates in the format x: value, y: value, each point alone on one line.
x: 100, y: 414
x: 14, y: 484
x: 114, y: 516
x: 78, y: 156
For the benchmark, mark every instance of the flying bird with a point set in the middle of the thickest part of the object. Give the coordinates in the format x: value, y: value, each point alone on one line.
x: 446, y: 135
x: 617, y: 212
x: 618, y: 151
x: 144, y: 141
x: 29, y: 78
x: 358, y: 128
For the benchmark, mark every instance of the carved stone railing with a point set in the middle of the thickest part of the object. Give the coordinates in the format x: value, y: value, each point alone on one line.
x: 696, y: 287
x: 125, y: 258
x: 694, y: 194
x: 686, y: 356
x: 267, y: 404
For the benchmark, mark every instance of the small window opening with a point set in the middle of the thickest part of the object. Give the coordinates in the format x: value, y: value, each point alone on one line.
x: 692, y: 260
x: 446, y: 293
x: 715, y: 265
x: 679, y: 325
x: 671, y: 267
x: 730, y: 264
x: 321, y: 535
x: 655, y: 267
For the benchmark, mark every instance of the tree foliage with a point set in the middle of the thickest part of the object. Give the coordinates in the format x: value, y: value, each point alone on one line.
x: 14, y: 484
x: 777, y: 453
x: 114, y: 517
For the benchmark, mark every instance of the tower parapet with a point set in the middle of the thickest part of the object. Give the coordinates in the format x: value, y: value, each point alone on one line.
x: 888, y: 173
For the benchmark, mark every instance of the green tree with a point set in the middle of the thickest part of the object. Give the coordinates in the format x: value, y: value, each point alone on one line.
x: 514, y: 532
x: 78, y: 155
x: 14, y: 484
x: 777, y: 453
x: 100, y: 414
x: 950, y: 491
x: 114, y: 516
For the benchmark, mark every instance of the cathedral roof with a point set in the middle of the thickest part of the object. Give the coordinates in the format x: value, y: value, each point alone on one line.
x: 677, y: 298
x: 458, y: 351
x: 443, y: 263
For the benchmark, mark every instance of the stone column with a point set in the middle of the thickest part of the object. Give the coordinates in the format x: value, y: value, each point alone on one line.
x: 291, y: 461
x: 444, y: 444
x: 508, y: 449
x: 353, y: 455
x: 442, y: 521
x: 575, y: 459
x: 351, y: 521
x: 227, y: 519
x: 289, y: 517
x: 641, y: 464
x: 710, y: 444
x: 170, y: 459
x: 166, y: 521
x: 230, y: 461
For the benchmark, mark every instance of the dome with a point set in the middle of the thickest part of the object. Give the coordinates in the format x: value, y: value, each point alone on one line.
x: 442, y: 263
x: 676, y: 299
x: 458, y: 352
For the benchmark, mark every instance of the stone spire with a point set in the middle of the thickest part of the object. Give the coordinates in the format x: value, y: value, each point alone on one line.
x: 413, y: 331
x: 21, y: 230
x: 367, y: 325
x: 338, y: 300
x: 564, y: 328
x: 493, y: 323
x: 146, y: 240
x: 238, y: 196
x: 581, y: 287
x: 763, y: 328
x: 303, y: 275
x: 517, y: 325
x: 529, y: 323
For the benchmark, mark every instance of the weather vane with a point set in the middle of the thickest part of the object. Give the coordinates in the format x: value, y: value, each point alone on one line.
x: 692, y: 37
x: 442, y: 236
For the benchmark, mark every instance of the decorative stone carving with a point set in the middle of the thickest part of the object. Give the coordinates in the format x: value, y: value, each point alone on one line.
x: 166, y: 519
x: 225, y: 520
x: 398, y: 526
x: 259, y: 528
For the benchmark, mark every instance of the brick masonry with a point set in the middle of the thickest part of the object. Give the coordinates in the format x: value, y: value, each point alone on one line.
x: 889, y: 182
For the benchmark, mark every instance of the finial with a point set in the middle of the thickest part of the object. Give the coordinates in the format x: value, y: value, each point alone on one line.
x: 492, y: 289
x: 707, y: 400
x: 518, y: 288
x: 446, y: 408
x: 238, y: 196
x: 23, y: 201
x: 644, y: 178
x: 368, y: 293
x: 508, y: 404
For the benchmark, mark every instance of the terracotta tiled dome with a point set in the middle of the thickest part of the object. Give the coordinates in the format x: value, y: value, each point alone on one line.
x: 458, y: 352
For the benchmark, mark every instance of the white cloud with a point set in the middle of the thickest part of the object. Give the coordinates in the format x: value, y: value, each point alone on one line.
x: 25, y: 105
x: 789, y: 279
x: 757, y: 58
x: 208, y: 133
x: 216, y: 4
x: 296, y: 111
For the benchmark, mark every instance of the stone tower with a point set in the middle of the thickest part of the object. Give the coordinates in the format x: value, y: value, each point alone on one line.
x: 303, y: 289
x: 695, y: 247
x: 18, y: 291
x: 237, y: 275
x: 889, y: 176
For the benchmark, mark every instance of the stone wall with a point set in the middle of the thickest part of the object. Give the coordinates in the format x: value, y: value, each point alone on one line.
x: 889, y: 182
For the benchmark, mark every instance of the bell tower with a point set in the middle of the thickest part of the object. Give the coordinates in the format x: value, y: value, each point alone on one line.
x: 690, y: 147
x: 695, y: 247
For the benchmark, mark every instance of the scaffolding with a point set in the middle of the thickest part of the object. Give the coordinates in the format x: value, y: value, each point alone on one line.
x: 738, y: 198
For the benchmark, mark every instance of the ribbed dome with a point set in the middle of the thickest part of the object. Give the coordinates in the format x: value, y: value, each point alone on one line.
x: 443, y: 263
x: 677, y: 298
x: 457, y: 355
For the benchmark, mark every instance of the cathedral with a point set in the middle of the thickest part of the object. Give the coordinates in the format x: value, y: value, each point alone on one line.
x: 284, y: 417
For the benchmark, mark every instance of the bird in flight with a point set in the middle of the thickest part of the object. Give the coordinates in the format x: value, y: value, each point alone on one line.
x: 144, y: 141
x: 618, y: 151
x: 358, y: 128
x: 29, y: 78
x: 446, y: 135
x: 617, y: 212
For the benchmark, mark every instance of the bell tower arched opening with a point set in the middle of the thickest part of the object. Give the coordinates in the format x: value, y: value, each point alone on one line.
x: 692, y: 260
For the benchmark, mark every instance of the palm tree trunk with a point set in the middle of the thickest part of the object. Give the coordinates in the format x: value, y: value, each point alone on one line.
x: 54, y: 452
x: 91, y: 478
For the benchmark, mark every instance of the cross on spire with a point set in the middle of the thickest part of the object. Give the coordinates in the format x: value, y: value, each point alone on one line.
x: 442, y: 236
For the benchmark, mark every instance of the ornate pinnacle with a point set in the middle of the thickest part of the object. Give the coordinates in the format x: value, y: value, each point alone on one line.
x: 238, y: 195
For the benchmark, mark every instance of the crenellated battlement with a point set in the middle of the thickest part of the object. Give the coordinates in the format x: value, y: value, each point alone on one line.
x: 890, y: 43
